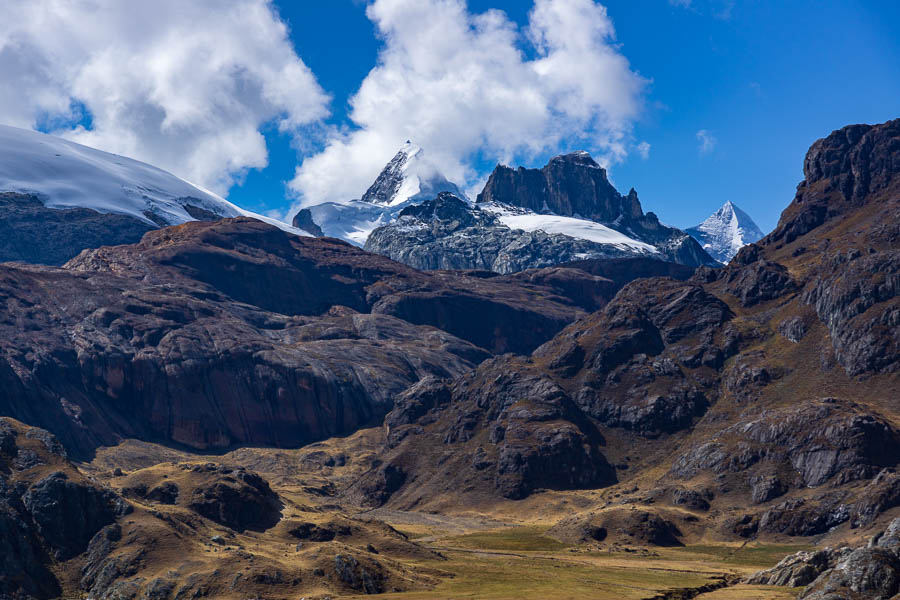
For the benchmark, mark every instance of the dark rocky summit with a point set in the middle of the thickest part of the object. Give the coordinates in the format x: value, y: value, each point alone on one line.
x: 574, y: 185
x: 571, y: 184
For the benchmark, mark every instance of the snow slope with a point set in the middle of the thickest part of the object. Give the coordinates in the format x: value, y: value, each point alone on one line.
x: 63, y: 174
x: 352, y: 221
x: 519, y: 218
x: 725, y: 232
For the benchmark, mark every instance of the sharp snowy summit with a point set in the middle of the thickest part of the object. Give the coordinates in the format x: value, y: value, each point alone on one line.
x: 409, y: 176
x: 726, y: 231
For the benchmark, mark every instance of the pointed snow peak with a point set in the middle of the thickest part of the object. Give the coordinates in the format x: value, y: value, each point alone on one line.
x: 408, y: 176
x: 726, y: 231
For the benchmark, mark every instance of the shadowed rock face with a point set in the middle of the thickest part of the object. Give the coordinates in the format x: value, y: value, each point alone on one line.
x: 571, y: 184
x: 33, y: 233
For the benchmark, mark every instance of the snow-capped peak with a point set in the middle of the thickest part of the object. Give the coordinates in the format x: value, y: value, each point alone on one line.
x: 63, y: 174
x: 408, y: 176
x: 726, y: 231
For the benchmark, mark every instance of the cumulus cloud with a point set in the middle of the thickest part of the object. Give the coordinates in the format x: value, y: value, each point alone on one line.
x: 465, y: 85
x: 183, y: 85
x: 707, y: 141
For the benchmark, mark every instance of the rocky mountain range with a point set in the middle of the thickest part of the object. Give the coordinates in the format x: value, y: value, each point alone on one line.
x: 227, y: 409
x: 527, y: 218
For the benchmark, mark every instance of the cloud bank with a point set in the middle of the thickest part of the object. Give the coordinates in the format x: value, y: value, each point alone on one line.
x: 465, y: 86
x: 182, y: 85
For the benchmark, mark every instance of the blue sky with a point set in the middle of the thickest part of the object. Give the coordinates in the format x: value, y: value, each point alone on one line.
x: 763, y: 78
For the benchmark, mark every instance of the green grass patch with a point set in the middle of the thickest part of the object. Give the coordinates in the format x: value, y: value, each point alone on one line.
x: 751, y: 555
x: 512, y: 539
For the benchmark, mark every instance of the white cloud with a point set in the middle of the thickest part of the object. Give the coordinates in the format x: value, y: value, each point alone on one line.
x: 183, y: 85
x: 458, y: 84
x: 643, y: 149
x: 707, y: 141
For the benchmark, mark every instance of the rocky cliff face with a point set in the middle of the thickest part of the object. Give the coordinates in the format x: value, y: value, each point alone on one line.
x: 49, y: 512
x: 213, y: 334
x: 571, y: 184
x: 575, y: 185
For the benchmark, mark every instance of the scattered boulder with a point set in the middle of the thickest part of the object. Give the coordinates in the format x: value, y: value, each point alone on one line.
x: 356, y: 576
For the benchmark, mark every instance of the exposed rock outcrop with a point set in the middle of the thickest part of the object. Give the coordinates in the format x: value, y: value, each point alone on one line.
x: 871, y: 571
x: 448, y: 233
x: 49, y: 512
x: 211, y: 334
x: 236, y: 498
x: 511, y: 433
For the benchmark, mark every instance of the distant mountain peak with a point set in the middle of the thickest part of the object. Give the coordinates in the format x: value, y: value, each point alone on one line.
x: 726, y: 231
x: 408, y: 176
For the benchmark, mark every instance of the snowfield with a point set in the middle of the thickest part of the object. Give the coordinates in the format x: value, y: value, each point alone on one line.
x: 63, y: 174
x: 516, y: 218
